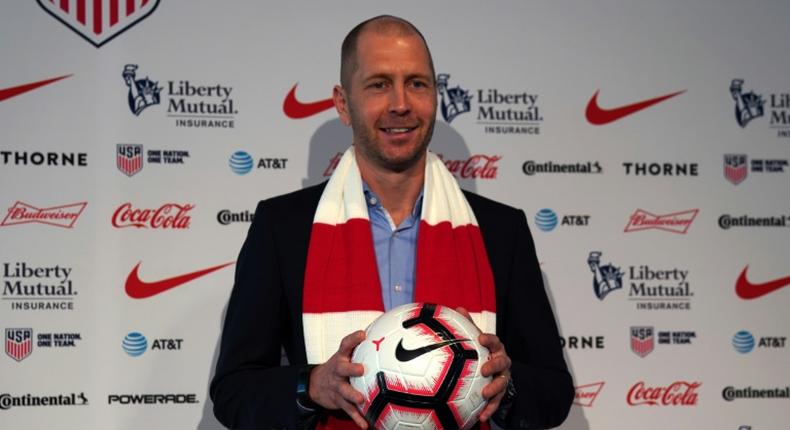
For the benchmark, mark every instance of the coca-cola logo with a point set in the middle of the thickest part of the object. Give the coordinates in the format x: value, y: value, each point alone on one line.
x: 477, y: 166
x: 169, y: 215
x: 677, y: 222
x: 679, y: 393
x: 60, y: 216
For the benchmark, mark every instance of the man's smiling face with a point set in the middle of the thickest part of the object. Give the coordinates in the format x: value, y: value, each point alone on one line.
x: 391, y: 102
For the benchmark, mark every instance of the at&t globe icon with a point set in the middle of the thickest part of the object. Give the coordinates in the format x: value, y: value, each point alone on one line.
x: 135, y: 344
x: 743, y: 342
x: 546, y: 219
x: 240, y: 163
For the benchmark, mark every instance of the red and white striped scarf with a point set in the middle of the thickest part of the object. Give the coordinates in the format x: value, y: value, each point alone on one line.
x: 342, y: 290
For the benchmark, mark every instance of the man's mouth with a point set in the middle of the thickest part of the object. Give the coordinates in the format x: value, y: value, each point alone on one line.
x: 397, y: 130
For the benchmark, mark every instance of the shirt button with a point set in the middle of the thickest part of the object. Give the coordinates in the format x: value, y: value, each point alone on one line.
x: 398, y: 288
x: 373, y: 201
x: 395, y: 234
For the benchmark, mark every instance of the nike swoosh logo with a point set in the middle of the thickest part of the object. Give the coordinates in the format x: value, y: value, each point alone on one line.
x: 599, y: 116
x: 403, y: 354
x: 7, y: 93
x: 297, y: 110
x: 747, y: 290
x: 138, y: 289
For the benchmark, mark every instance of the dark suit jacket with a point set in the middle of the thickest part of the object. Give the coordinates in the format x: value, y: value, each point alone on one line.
x: 252, y: 390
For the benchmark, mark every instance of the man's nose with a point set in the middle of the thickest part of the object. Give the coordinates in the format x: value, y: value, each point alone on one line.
x: 399, y: 100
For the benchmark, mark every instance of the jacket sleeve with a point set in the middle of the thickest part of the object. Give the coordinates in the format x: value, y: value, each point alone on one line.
x: 529, y: 332
x: 250, y: 388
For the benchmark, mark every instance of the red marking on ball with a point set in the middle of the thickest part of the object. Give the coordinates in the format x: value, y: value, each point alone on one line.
x: 378, y: 343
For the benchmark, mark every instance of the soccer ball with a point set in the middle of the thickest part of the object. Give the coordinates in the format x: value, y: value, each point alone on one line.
x: 422, y: 369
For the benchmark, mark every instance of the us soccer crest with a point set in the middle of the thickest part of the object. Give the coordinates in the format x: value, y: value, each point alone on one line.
x: 606, y: 278
x: 736, y: 167
x: 642, y: 340
x: 129, y: 158
x: 748, y: 106
x: 454, y: 101
x: 99, y: 21
x: 18, y: 342
x: 142, y: 92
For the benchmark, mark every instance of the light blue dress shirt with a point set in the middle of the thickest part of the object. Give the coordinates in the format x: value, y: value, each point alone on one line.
x: 396, y: 249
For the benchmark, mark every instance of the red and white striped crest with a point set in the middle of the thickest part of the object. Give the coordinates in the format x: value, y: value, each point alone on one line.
x: 99, y: 21
x: 18, y: 342
x: 642, y: 340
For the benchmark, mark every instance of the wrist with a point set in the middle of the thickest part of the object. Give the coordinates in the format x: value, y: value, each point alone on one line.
x: 303, y: 398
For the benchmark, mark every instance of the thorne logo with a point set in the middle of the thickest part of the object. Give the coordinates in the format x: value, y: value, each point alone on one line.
x: 62, y: 159
x: 650, y: 288
x: 676, y: 222
x: 59, y: 216
x: 582, y: 342
x: 750, y: 106
x: 168, y: 216
x: 99, y: 21
x: 680, y: 393
x: 586, y: 394
x: 637, y: 168
x: 28, y: 287
x: 498, y: 112
x: 197, y: 106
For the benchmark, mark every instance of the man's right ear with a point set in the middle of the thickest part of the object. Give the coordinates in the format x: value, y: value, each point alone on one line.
x: 339, y: 96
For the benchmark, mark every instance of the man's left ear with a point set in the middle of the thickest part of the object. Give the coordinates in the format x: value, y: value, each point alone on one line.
x: 339, y: 97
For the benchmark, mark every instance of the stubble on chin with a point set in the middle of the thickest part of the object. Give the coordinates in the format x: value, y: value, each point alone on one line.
x: 368, y: 146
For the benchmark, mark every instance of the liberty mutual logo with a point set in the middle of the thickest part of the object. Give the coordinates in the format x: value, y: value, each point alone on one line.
x: 606, y: 278
x: 142, y: 92
x: 454, y: 101
x: 748, y: 106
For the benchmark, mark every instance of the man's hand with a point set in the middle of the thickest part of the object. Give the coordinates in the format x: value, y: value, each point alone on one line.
x: 329, y: 386
x: 498, y: 366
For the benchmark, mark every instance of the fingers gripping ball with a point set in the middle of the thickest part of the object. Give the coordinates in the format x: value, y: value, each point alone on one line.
x: 422, y: 369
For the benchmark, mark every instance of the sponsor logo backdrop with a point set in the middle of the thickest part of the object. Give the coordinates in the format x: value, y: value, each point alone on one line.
x: 647, y: 144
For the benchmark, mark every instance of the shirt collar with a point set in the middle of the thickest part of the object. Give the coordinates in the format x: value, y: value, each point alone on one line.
x: 373, y: 200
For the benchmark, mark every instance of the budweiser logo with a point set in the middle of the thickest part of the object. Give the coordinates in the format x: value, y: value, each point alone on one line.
x: 678, y: 222
x: 61, y: 216
x: 679, y: 393
x: 475, y: 167
x: 169, y: 215
x: 586, y: 394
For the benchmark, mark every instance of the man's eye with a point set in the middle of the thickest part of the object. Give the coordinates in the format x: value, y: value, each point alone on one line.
x: 377, y: 85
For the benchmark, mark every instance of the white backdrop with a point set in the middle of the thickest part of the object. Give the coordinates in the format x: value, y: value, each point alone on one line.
x: 554, y: 55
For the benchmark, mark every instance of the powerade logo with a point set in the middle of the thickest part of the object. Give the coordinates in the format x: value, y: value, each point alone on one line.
x: 743, y: 342
x: 134, y: 344
x: 546, y: 219
x: 240, y: 162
